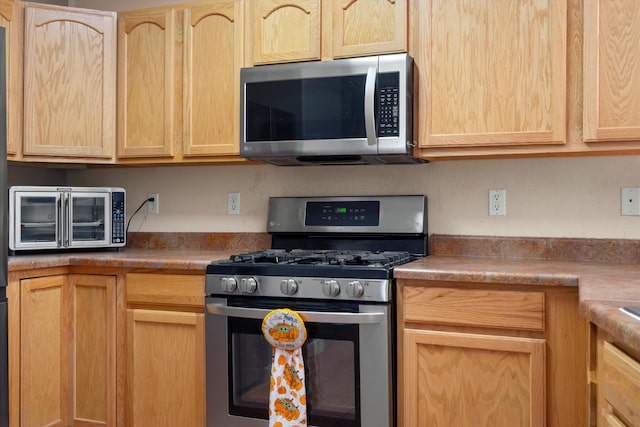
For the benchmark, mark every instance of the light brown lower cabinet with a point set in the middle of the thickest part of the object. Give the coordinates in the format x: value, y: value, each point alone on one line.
x: 66, y: 373
x: 615, y: 374
x: 471, y: 379
x: 165, y: 350
x: 482, y: 355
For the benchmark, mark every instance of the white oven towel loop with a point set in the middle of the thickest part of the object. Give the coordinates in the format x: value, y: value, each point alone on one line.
x: 285, y: 331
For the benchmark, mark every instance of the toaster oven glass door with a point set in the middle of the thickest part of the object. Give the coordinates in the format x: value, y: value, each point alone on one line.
x: 89, y: 219
x: 37, y: 220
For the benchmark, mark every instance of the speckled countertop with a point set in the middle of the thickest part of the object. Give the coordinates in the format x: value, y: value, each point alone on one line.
x: 174, y: 251
x: 607, y: 272
x: 195, y: 260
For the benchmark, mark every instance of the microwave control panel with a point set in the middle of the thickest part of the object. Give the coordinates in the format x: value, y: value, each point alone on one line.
x: 388, y: 104
x: 117, y: 218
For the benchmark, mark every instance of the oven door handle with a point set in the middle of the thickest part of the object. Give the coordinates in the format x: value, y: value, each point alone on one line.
x: 307, y: 316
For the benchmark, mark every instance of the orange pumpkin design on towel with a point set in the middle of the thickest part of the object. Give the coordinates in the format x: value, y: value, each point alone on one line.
x: 287, y: 409
x: 285, y: 331
x: 292, y: 378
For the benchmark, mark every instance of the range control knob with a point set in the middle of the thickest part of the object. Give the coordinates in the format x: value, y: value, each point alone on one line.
x: 355, y: 289
x: 288, y: 286
x: 229, y: 284
x: 331, y: 288
x: 248, y: 285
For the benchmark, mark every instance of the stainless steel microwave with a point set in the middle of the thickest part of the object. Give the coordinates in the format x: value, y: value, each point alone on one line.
x: 347, y: 111
x: 46, y: 217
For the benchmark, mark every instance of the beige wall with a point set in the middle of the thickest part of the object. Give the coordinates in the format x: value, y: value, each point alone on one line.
x: 553, y: 197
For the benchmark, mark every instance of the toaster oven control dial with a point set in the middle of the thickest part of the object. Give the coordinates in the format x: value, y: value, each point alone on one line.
x: 288, y: 286
x: 355, y: 289
x: 229, y: 284
x: 248, y: 285
x: 331, y: 288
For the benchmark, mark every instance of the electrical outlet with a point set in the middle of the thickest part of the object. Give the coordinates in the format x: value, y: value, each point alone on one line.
x: 630, y: 201
x: 233, y: 205
x: 153, y: 208
x: 498, y: 202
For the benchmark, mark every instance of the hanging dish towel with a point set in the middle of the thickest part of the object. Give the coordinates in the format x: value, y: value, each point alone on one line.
x: 285, y: 331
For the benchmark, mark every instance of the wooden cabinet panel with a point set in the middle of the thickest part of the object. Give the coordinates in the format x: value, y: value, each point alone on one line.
x: 166, y: 289
x: 165, y: 369
x: 93, y: 349
x: 491, y: 73
x: 147, y: 79
x: 470, y: 380
x: 498, y: 309
x: 284, y: 30
x: 611, y: 70
x: 11, y: 20
x: 44, y: 352
x: 620, y: 385
x: 367, y: 27
x: 67, y: 352
x: 69, y: 82
x: 212, y: 57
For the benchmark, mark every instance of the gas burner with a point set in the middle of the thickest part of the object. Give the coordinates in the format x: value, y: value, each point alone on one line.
x: 338, y: 258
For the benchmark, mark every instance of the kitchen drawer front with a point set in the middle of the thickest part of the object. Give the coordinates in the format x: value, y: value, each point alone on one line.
x: 165, y: 289
x: 621, y: 383
x: 518, y: 310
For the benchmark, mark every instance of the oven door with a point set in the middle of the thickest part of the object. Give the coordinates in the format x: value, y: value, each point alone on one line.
x: 348, y: 363
x: 88, y: 219
x: 35, y: 220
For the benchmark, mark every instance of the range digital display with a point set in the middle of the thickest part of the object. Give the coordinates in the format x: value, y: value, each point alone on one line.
x: 352, y: 214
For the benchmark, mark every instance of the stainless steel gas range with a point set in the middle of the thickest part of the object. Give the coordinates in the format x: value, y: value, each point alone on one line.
x: 332, y: 261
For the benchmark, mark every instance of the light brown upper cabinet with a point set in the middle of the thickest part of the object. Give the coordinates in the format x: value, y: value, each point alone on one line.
x: 69, y: 84
x: 179, y: 79
x: 147, y: 80
x: 283, y: 31
x: 611, y: 70
x: 490, y: 73
x: 10, y: 19
x: 303, y: 30
x: 212, y: 58
x: 366, y: 27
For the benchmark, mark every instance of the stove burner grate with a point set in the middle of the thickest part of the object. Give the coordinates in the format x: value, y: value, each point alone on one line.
x: 324, y: 257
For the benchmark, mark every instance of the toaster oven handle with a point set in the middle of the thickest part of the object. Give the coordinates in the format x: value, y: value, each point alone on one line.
x: 369, y: 105
x: 67, y: 219
x: 307, y: 316
x: 59, y: 221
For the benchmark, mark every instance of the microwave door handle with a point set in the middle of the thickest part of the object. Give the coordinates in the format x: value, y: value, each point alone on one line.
x: 307, y: 316
x: 369, y: 105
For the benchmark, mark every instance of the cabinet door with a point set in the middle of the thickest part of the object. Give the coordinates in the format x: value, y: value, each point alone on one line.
x: 283, y: 30
x: 10, y: 19
x: 147, y: 79
x: 165, y: 368
x: 212, y: 58
x: 491, y: 72
x: 366, y: 27
x: 93, y: 351
x: 611, y: 70
x: 69, y: 75
x: 44, y: 368
x: 457, y: 379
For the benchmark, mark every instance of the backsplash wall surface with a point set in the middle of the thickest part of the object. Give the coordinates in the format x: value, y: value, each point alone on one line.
x: 548, y: 197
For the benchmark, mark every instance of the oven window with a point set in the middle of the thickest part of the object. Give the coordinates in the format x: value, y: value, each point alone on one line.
x: 332, y: 376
